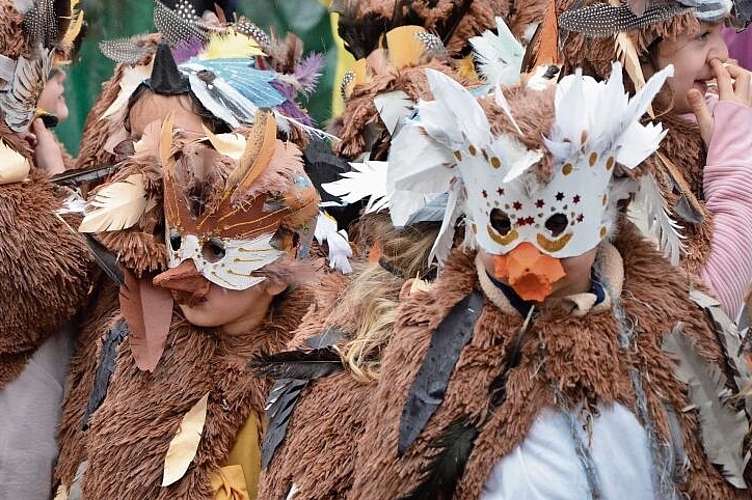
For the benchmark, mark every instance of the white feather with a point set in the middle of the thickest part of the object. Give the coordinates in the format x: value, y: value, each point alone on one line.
x: 454, y: 117
x: 499, y: 57
x: 392, y: 106
x: 365, y: 180
x: 660, y: 223
x: 117, y: 206
x: 338, y: 242
x: 445, y: 239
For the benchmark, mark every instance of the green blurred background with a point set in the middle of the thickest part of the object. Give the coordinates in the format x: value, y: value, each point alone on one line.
x: 109, y: 19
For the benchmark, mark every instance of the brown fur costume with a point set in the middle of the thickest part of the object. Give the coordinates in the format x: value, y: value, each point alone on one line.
x: 579, y: 355
x: 129, y: 434
x: 46, y: 270
x: 319, y: 449
x: 360, y: 110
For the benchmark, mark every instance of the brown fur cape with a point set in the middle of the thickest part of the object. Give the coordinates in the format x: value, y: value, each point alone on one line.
x: 318, y: 451
x: 580, y: 355
x: 45, y: 270
x: 128, y: 436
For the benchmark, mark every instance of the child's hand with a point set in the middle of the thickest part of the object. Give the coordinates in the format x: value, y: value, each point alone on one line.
x: 47, y: 154
x: 733, y: 85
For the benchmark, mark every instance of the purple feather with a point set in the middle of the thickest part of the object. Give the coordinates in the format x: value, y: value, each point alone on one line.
x: 185, y: 49
x: 290, y: 108
x: 308, y: 71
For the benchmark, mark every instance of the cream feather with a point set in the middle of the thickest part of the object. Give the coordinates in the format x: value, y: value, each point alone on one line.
x: 117, y: 206
x: 184, y: 445
x: 365, y: 180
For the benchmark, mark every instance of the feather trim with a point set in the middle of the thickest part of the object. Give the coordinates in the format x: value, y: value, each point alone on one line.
x: 117, y: 206
x: 723, y: 428
x: 660, y: 223
x: 184, y: 445
x: 427, y: 390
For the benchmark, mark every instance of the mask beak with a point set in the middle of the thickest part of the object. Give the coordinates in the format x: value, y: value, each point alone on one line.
x: 529, y: 272
x: 188, y: 286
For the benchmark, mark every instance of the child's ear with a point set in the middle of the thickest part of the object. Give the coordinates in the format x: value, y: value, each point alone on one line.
x: 274, y: 286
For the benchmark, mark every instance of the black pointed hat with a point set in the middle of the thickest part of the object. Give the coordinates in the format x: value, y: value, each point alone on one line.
x: 166, y: 78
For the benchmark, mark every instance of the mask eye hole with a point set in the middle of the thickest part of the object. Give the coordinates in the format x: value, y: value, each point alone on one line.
x: 501, y: 222
x: 557, y: 223
x: 175, y: 240
x: 213, y: 250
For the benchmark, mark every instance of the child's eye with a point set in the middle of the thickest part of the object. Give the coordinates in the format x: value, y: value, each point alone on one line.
x: 704, y: 35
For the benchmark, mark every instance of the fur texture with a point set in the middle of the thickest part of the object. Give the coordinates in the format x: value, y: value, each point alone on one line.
x: 318, y: 451
x: 129, y: 434
x: 580, y: 355
x: 360, y: 111
x: 45, y: 268
x: 98, y: 316
x: 12, y: 42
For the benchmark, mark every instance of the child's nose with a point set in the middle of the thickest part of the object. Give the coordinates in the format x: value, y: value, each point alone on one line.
x: 718, y: 50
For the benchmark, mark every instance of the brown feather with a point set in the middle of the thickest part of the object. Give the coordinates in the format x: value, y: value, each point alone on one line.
x: 148, y: 311
x: 548, y: 52
x: 259, y: 149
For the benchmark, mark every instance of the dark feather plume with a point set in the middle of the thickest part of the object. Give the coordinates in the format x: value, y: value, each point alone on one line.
x: 279, y: 407
x: 105, y: 259
x: 125, y: 50
x: 75, y: 178
x: 106, y: 367
x: 427, y: 391
x: 447, y: 467
x: 174, y: 27
x: 322, y: 166
x: 603, y: 19
x: 305, y: 365
x: 328, y: 338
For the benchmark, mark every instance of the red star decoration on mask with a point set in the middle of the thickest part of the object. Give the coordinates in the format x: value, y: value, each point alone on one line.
x: 529, y: 221
x: 517, y: 205
x: 559, y: 196
x: 484, y: 193
x: 580, y: 218
x: 500, y: 191
x: 576, y: 199
x: 539, y: 204
x: 521, y: 221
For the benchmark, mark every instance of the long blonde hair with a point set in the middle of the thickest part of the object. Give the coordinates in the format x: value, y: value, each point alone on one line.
x: 369, y: 302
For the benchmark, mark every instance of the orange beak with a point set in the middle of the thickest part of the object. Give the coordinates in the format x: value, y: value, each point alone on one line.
x: 529, y: 272
x: 187, y: 285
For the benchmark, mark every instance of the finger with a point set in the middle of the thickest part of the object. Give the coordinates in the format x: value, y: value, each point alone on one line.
x: 741, y: 80
x: 700, y: 108
x: 723, y: 78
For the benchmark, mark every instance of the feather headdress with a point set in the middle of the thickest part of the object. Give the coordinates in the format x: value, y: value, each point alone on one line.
x: 234, y: 203
x: 232, y: 69
x: 557, y: 193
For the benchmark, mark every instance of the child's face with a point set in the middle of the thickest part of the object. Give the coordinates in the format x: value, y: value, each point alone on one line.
x: 153, y: 107
x: 232, y: 311
x: 691, y: 55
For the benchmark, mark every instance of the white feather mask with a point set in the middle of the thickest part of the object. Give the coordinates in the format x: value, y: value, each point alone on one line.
x: 449, y: 147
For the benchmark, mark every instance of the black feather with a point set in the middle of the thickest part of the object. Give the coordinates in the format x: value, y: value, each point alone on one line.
x: 444, y: 349
x: 305, y: 365
x: 106, y: 367
x: 125, y: 50
x: 75, y: 178
x: 174, y: 27
x: 105, y: 259
x: 447, y: 467
x: 279, y: 407
x: 322, y: 166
